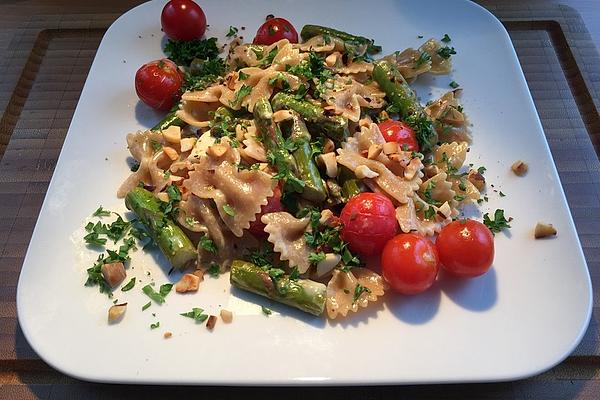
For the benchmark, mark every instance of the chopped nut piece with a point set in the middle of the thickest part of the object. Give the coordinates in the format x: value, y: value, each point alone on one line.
x: 330, y: 163
x: 167, y: 335
x: 281, y: 115
x: 328, y: 146
x: 390, y: 148
x: 171, y: 152
x: 519, y: 168
x: 200, y: 274
x: 226, y: 316
x: 326, y: 217
x: 210, y: 323
x: 444, y: 210
x: 187, y: 144
x: 543, y: 230
x: 172, y: 134
x: 374, y: 151
x: 362, y: 172
x: 476, y: 179
x: 113, y: 273
x: 331, y: 59
x: 187, y: 283
x: 327, y: 265
x: 217, y: 150
x: 163, y: 196
x: 116, y: 312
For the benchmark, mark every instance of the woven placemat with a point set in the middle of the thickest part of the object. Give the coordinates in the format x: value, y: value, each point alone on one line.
x: 46, y: 58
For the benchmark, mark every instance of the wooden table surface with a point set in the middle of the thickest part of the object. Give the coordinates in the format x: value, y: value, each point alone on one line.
x: 46, y: 47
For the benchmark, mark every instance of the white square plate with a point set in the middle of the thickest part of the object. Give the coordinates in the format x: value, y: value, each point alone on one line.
x: 522, y: 317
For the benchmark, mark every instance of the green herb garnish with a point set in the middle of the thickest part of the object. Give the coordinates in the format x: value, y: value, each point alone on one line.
x: 197, y: 314
x: 129, y: 285
x: 499, y: 222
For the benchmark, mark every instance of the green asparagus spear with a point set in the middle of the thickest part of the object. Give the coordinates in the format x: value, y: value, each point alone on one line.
x: 270, y: 134
x: 405, y: 102
x: 309, y: 31
x: 314, y: 189
x: 335, y: 127
x: 168, y: 120
x: 175, y: 245
x: 304, y: 294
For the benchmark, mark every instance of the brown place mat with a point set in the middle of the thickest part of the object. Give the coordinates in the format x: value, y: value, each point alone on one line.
x: 562, y: 69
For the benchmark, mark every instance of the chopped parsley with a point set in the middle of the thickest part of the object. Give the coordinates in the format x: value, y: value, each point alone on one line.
x: 134, y: 166
x: 453, y: 85
x: 446, y: 38
x: 129, y: 285
x: 214, y: 270
x: 101, y: 212
x: 324, y: 238
x: 242, y: 76
x: 424, y: 58
x: 316, y: 257
x: 358, y: 291
x: 155, y: 325
x: 446, y: 52
x: 146, y: 306
x: 481, y: 170
x: 207, y: 244
x: 183, y: 52
x: 499, y: 222
x: 232, y: 31
x: 244, y: 91
x: 197, y: 314
x: 227, y: 209
x: 158, y: 297
x: 266, y: 310
x: 428, y: 194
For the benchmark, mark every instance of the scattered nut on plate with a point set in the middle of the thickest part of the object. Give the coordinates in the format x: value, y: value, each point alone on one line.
x: 520, y: 168
x: 226, y: 316
x: 116, y: 312
x: 543, y: 230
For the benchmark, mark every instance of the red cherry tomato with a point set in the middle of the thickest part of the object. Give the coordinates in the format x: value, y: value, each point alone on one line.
x: 275, y: 29
x: 257, y: 228
x: 158, y: 84
x: 409, y: 263
x: 369, y: 221
x: 466, y: 248
x: 399, y: 132
x: 183, y: 20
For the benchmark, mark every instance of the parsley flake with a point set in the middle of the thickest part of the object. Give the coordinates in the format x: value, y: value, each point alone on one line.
x: 228, y: 210
x: 499, y: 222
x: 129, y: 285
x: 197, y: 314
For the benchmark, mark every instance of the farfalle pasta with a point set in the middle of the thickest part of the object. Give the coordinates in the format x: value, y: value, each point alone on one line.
x: 253, y: 171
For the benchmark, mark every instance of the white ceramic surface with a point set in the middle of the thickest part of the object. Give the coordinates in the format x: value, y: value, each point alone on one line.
x: 519, y: 319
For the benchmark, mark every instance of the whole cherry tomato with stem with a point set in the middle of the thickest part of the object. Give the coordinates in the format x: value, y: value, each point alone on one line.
x: 466, y: 248
x: 158, y: 84
x: 399, y: 132
x: 369, y: 221
x: 183, y: 20
x: 275, y: 29
x: 257, y: 228
x: 409, y: 263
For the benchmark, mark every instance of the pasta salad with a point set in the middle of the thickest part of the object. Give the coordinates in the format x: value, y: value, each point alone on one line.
x: 304, y: 166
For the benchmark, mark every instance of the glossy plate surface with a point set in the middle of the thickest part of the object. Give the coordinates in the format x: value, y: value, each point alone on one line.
x: 522, y: 317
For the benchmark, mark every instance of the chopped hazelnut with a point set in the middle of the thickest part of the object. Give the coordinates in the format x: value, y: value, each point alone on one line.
x: 543, y: 230
x: 187, y: 283
x: 374, y: 151
x: 113, y: 273
x: 171, y: 153
x: 116, y: 312
x: 211, y: 322
x: 519, y: 168
x: 476, y: 179
x: 226, y: 316
x: 216, y: 150
x: 167, y: 335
